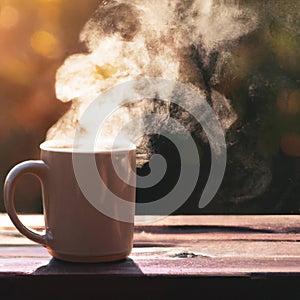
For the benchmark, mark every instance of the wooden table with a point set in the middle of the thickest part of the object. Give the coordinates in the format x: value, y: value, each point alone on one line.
x: 187, y: 257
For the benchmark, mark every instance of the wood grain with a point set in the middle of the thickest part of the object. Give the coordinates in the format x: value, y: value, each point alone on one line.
x: 177, y: 245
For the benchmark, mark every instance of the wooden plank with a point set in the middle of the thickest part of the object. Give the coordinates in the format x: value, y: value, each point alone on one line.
x: 188, y: 261
x: 168, y: 237
x: 278, y: 223
x: 180, y: 256
x: 176, y: 246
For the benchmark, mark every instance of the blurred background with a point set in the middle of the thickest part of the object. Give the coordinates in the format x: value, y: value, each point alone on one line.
x: 35, y: 38
x: 261, y: 78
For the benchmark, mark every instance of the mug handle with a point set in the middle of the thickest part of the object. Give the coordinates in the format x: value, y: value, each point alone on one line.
x: 34, y: 167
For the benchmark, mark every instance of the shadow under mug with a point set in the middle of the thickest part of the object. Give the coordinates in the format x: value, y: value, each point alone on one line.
x: 75, y: 230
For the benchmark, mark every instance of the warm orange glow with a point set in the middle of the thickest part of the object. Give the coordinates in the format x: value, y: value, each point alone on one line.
x: 45, y: 44
x: 290, y: 145
x: 49, y: 12
x: 289, y: 103
x: 294, y: 102
x: 16, y: 71
x: 50, y: 1
x: 9, y: 17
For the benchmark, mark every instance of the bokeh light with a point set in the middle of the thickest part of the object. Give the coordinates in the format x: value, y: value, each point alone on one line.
x: 35, y: 38
x: 290, y: 145
x: 260, y: 76
x: 289, y: 102
x: 9, y: 17
x: 45, y: 44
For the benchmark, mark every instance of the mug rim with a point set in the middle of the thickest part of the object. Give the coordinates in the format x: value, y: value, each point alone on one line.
x: 61, y: 146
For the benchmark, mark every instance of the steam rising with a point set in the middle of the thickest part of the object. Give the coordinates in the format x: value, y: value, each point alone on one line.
x: 175, y: 40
